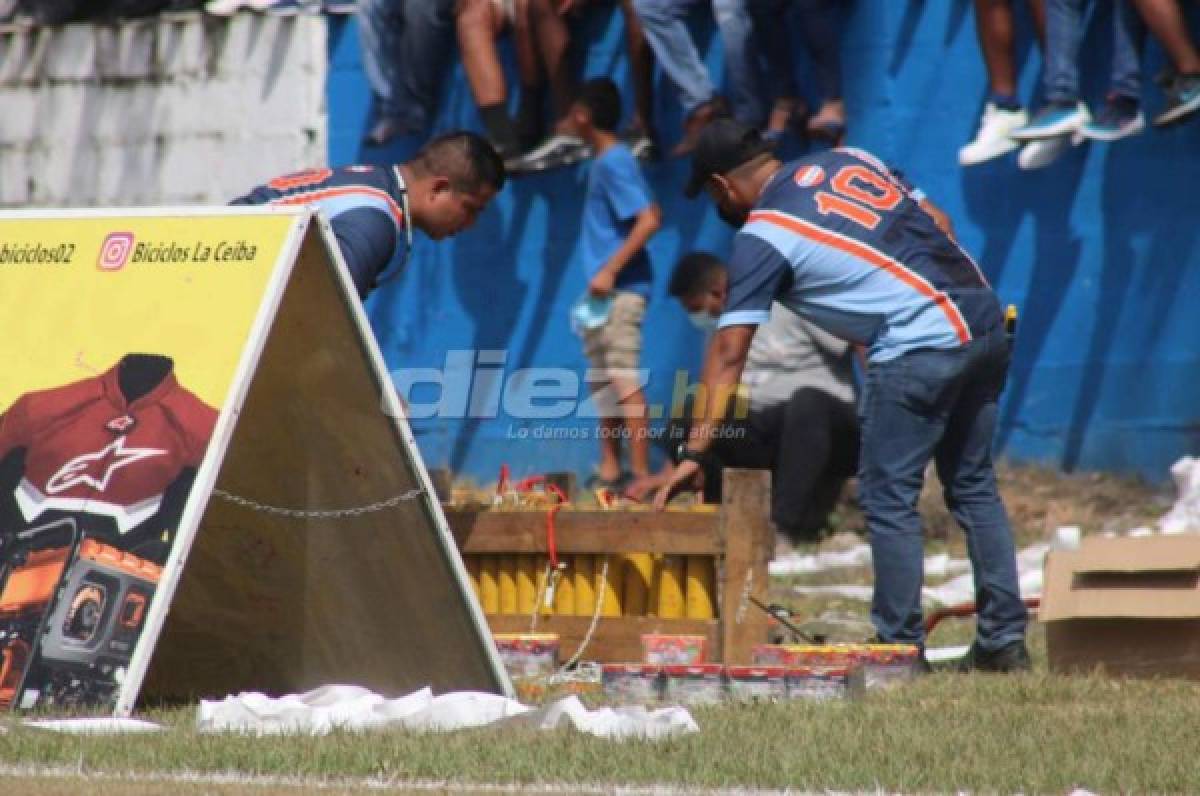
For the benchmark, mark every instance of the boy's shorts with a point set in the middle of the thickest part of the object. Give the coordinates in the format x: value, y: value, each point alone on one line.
x: 617, y: 345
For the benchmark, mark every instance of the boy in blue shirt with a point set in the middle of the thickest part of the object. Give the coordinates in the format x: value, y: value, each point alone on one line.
x: 619, y: 217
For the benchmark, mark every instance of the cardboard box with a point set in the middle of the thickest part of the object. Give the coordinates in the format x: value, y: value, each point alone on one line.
x: 1129, y: 605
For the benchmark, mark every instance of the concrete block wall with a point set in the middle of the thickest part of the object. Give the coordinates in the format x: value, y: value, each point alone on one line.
x: 179, y: 109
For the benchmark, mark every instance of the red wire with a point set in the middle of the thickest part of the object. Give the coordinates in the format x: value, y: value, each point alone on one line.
x: 526, y: 484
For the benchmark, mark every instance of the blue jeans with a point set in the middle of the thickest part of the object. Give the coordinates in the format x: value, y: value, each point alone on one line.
x: 406, y: 46
x: 1064, y: 34
x: 822, y: 39
x: 667, y: 34
x: 938, y: 405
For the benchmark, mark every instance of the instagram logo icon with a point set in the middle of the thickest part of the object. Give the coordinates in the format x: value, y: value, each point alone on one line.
x: 115, y: 251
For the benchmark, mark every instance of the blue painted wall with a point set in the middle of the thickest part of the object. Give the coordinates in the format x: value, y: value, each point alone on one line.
x: 1099, y: 251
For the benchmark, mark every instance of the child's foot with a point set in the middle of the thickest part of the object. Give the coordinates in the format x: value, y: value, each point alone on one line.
x: 788, y: 113
x: 829, y: 124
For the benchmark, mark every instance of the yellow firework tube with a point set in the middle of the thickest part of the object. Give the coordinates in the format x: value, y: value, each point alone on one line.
x: 639, y: 575
x: 527, y: 586
x: 564, y: 592
x: 611, y: 588
x: 489, y: 588
x: 585, y: 585
x: 506, y: 576
x: 700, y: 581
x: 670, y: 583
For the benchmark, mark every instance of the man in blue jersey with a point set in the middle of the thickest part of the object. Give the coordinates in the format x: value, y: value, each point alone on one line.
x: 848, y: 244
x: 373, y: 209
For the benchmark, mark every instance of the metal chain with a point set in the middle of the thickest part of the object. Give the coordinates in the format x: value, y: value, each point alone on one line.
x: 327, y: 514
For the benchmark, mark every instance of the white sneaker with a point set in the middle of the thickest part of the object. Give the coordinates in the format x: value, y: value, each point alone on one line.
x: 993, y: 140
x: 1041, y: 153
x: 225, y: 8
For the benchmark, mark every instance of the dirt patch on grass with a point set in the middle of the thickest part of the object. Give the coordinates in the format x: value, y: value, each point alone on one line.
x: 1039, y: 499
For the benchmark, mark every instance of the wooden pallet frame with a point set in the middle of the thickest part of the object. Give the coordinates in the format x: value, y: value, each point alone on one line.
x: 738, y: 536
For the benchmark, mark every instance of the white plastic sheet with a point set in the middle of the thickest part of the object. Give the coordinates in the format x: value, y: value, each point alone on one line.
x: 349, y: 707
x: 936, y: 566
x: 1184, y: 516
x: 962, y: 589
x: 94, y: 726
x: 956, y: 591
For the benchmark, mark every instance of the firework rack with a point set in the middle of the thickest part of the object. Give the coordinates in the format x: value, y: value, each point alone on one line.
x: 735, y: 536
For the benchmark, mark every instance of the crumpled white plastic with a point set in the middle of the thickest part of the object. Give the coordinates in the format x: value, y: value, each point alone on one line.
x: 962, y: 589
x: 1184, y: 516
x: 940, y: 565
x: 94, y: 726
x: 349, y: 707
x: 808, y: 563
x: 953, y: 592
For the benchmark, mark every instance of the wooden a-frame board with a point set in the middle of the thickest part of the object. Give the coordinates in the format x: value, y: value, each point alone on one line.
x: 139, y: 557
x: 279, y: 604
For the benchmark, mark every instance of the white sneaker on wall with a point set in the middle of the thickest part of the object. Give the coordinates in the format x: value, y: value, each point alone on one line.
x: 993, y: 140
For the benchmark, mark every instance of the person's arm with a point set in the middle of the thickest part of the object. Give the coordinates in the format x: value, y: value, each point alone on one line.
x: 939, y: 217
x: 758, y: 274
x: 647, y: 222
x: 723, y: 365
x: 367, y: 239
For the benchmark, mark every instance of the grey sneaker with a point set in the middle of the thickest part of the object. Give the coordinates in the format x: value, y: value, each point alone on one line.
x: 1053, y: 120
x: 1012, y: 657
x: 555, y: 152
x: 1183, y: 99
x: 1120, y: 118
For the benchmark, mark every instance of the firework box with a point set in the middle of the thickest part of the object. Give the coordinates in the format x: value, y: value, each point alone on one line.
x: 702, y: 684
x: 664, y: 649
x: 636, y: 683
x: 757, y: 683
x: 528, y: 654
x: 805, y: 682
x: 883, y: 666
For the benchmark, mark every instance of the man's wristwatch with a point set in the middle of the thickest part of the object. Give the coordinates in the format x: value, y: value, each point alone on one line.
x: 682, y: 454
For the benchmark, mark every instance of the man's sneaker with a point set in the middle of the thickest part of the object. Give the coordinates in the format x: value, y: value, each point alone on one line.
x: 993, y: 139
x: 224, y: 8
x: 385, y: 130
x: 641, y: 144
x: 1012, y: 657
x: 1057, y: 118
x: 1121, y: 118
x: 1039, y: 154
x: 555, y: 152
x: 1183, y: 99
x: 694, y: 124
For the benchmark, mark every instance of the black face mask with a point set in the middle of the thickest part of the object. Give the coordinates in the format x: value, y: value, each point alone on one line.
x: 733, y: 218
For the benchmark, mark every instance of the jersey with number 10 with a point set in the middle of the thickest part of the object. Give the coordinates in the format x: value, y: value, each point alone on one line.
x: 841, y: 239
x: 364, y: 206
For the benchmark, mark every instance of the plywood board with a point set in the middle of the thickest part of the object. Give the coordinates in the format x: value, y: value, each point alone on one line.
x: 280, y: 603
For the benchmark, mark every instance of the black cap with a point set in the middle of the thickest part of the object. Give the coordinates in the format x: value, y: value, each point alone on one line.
x: 722, y: 146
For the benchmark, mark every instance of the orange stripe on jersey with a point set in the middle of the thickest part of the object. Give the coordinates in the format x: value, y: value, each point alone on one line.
x: 873, y: 257
x: 348, y: 190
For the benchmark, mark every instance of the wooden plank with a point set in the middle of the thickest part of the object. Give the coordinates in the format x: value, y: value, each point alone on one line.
x: 745, y: 527
x: 679, y: 532
x: 616, y: 640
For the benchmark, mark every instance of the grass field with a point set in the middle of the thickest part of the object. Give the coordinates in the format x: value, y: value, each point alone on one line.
x: 944, y: 732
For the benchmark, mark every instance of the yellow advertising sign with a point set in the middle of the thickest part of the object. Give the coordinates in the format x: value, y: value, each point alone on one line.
x: 154, y: 359
x: 87, y: 291
x: 123, y: 339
